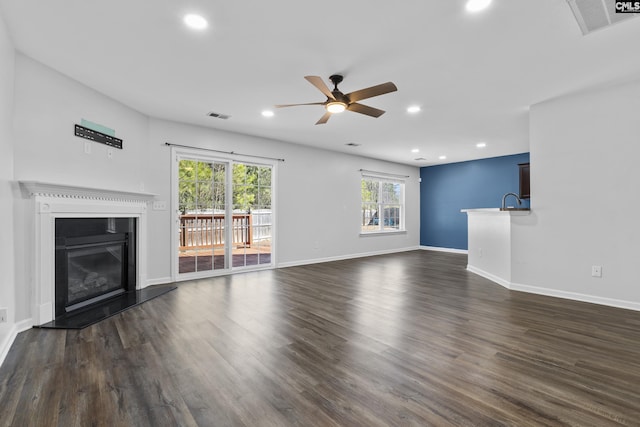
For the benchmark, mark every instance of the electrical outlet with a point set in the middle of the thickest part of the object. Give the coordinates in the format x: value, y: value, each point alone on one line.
x: 110, y: 153
x: 87, y: 147
x: 596, y: 271
x: 480, y: 252
x: 3, y: 315
x: 159, y: 205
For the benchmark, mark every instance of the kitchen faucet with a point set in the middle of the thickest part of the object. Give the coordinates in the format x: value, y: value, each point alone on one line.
x: 504, y: 199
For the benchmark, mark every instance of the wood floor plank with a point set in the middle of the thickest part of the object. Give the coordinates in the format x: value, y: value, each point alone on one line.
x: 408, y: 339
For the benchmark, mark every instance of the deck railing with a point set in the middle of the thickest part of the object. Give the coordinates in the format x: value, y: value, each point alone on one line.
x: 207, y: 230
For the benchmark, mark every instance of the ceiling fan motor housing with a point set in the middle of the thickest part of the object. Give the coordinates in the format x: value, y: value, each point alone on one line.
x: 340, y: 97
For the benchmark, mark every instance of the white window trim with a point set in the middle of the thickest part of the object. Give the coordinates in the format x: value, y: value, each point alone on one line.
x: 396, y: 179
x: 380, y: 233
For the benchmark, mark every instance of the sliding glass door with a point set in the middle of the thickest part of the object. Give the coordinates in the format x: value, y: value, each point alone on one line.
x: 202, y: 215
x: 252, y: 215
x: 224, y: 215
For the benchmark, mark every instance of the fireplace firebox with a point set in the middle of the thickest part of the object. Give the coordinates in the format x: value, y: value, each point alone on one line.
x: 95, y: 259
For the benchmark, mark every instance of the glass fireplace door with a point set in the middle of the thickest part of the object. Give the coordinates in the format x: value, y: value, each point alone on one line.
x: 95, y: 270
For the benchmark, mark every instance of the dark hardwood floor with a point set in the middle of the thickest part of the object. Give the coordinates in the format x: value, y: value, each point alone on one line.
x: 404, y: 339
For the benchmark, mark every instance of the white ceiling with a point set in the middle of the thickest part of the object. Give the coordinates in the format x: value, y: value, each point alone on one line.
x: 474, y: 76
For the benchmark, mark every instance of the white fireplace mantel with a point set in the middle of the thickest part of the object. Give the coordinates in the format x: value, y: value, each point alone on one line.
x: 50, y: 201
x: 37, y: 188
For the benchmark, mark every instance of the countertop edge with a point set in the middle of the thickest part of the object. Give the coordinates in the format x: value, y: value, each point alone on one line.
x: 514, y: 212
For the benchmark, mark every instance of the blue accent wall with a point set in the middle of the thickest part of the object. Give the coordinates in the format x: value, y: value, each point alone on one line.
x: 445, y: 189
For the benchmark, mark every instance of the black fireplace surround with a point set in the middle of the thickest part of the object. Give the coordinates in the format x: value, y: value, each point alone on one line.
x: 95, y: 260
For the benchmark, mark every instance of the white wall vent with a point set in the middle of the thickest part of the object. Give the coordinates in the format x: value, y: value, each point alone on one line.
x: 595, y: 14
x: 218, y: 115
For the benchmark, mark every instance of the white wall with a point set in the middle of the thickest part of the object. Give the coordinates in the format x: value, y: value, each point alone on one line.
x: 47, y: 105
x: 7, y: 283
x: 318, y: 195
x: 584, y: 198
x: 317, y: 191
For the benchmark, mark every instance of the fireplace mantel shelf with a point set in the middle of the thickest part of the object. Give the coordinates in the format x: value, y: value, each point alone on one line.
x: 46, y: 189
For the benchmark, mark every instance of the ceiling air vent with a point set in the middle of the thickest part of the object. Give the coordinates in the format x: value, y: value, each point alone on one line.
x: 218, y: 115
x: 595, y: 14
x: 419, y: 159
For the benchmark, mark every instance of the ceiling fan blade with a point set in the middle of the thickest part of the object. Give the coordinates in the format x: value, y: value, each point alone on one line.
x: 372, y: 91
x: 319, y: 83
x: 365, y: 109
x: 295, y: 105
x: 324, y: 118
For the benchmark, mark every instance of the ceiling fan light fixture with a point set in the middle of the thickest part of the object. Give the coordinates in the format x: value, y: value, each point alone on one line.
x: 336, y: 107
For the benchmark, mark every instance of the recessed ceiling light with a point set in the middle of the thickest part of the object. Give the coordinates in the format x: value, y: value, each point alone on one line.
x: 415, y: 150
x: 481, y: 144
x: 352, y: 144
x: 413, y: 109
x: 477, y: 5
x: 195, y: 22
x: 443, y: 157
x: 268, y: 113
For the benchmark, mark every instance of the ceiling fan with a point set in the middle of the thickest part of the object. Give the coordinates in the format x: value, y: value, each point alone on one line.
x: 337, y: 101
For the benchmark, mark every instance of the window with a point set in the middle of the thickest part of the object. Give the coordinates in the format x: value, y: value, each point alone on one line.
x: 382, y: 205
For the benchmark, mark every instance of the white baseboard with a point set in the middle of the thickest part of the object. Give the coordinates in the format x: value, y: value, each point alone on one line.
x: 343, y: 257
x: 449, y: 250
x: 45, y: 313
x: 575, y: 296
x: 499, y: 280
x: 6, y: 344
x: 158, y: 281
x: 629, y: 305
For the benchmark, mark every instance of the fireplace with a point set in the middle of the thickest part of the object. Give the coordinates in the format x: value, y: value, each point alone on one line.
x: 118, y: 217
x: 95, y: 259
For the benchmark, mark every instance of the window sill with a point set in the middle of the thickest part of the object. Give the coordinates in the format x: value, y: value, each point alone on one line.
x: 381, y: 233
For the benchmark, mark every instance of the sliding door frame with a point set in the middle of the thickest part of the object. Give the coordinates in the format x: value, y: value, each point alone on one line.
x: 180, y: 153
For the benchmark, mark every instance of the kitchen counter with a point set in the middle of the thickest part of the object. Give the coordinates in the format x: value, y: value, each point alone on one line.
x: 489, y: 242
x: 512, y: 211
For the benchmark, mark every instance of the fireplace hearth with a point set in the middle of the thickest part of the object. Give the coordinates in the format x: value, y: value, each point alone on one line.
x: 95, y: 271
